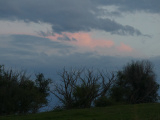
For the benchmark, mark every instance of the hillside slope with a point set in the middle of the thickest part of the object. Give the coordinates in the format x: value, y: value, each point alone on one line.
x: 119, y: 112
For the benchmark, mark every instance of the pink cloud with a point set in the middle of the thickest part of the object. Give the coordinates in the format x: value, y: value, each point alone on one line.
x: 124, y: 48
x: 55, y: 37
x: 84, y: 40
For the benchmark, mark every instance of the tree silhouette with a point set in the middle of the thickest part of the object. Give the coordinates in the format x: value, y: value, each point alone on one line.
x: 19, y: 94
x: 78, y: 88
x: 136, y: 83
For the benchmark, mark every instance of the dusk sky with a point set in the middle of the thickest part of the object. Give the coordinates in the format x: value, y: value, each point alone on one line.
x: 46, y: 35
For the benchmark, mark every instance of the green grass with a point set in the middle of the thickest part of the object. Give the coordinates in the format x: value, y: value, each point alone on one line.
x: 118, y: 112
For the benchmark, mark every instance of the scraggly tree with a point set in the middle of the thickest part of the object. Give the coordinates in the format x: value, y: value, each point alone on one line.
x: 94, y: 86
x: 63, y: 90
x: 78, y: 88
x: 87, y: 89
x: 136, y: 83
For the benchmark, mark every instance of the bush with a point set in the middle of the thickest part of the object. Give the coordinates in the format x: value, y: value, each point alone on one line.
x: 19, y: 94
x: 136, y: 83
x: 103, y: 102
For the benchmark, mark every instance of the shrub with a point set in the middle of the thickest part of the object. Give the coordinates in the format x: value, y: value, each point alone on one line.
x: 103, y: 102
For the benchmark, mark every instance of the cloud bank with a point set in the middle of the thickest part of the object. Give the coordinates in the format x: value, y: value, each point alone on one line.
x: 67, y: 38
x: 70, y: 15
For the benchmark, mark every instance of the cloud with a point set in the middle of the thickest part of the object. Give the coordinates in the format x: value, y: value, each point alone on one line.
x: 45, y: 34
x: 65, y: 38
x: 27, y: 50
x: 64, y: 16
x: 128, y: 30
x: 84, y: 39
x: 124, y: 48
x: 22, y: 27
x: 85, y: 42
x: 81, y: 39
x: 50, y: 64
x: 151, y: 6
x: 32, y: 51
x: 27, y: 46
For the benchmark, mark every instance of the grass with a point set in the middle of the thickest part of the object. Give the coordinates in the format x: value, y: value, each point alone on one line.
x: 118, y: 112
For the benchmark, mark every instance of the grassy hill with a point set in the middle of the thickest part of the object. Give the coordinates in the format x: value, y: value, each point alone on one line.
x: 118, y: 112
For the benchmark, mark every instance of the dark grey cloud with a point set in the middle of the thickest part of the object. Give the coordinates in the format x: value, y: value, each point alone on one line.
x: 28, y: 40
x: 28, y: 47
x: 64, y: 15
x: 130, y: 31
x: 152, y: 6
x: 45, y: 34
x: 34, y: 43
x: 64, y: 38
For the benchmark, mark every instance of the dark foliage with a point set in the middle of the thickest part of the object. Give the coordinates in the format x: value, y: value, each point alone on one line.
x: 87, y: 90
x: 103, y: 101
x: 78, y: 88
x: 19, y: 94
x: 136, y: 83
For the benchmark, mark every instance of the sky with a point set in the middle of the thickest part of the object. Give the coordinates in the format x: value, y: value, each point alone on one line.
x: 47, y: 35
